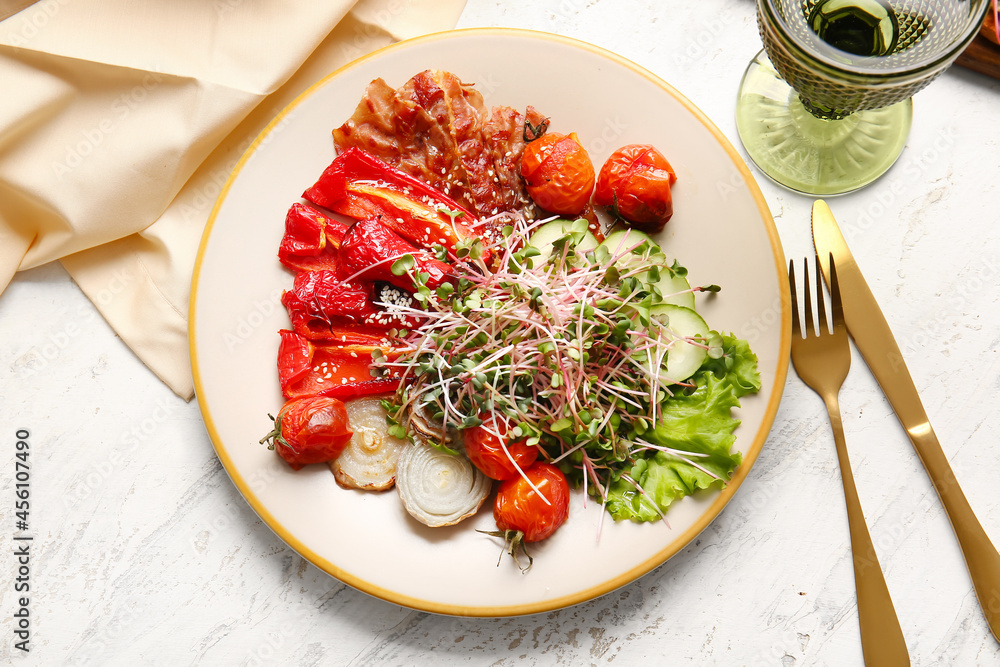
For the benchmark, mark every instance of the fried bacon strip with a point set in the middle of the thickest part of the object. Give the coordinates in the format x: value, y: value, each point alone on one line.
x: 437, y: 128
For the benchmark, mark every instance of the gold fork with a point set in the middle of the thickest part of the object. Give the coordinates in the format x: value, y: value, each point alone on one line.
x: 822, y: 359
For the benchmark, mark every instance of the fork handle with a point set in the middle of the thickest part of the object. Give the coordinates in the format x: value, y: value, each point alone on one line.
x: 882, y: 641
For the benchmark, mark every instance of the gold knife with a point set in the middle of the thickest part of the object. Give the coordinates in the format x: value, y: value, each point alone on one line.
x: 874, y: 340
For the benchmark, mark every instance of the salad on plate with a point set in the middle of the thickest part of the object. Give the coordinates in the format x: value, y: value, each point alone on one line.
x: 477, y: 311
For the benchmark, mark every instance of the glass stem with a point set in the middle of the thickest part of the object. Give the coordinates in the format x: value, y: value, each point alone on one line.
x: 822, y: 112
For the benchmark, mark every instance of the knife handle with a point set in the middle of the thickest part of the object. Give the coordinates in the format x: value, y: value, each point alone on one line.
x: 981, y: 556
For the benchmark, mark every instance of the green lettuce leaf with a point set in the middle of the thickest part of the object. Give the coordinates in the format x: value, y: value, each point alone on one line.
x: 699, y: 427
x: 738, y: 365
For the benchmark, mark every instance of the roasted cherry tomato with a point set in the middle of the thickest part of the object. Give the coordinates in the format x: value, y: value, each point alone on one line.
x: 558, y: 173
x: 312, y: 429
x: 519, y: 508
x: 485, y: 445
x: 634, y: 184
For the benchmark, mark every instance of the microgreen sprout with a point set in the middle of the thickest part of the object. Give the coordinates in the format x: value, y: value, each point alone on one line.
x: 567, y: 350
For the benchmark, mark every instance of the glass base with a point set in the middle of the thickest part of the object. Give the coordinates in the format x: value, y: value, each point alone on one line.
x: 809, y: 154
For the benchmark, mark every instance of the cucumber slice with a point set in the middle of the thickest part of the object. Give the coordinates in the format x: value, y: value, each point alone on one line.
x: 623, y: 239
x: 683, y: 358
x: 674, y: 287
x: 545, y: 236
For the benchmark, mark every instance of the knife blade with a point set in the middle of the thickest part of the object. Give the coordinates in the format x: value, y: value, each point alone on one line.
x: 874, y: 340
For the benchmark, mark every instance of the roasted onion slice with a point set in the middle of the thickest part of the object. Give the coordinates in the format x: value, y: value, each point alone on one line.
x: 433, y: 430
x: 437, y: 488
x: 369, y: 461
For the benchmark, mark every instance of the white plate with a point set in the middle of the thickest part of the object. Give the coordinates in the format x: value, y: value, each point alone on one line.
x: 722, y: 231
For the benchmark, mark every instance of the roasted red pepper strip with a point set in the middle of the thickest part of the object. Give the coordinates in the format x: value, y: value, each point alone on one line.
x: 361, y: 186
x: 340, y: 371
x: 370, y: 248
x: 294, y: 357
x: 323, y: 307
x: 325, y: 261
x: 304, y: 232
x: 358, y: 389
x: 311, y: 239
x: 321, y: 331
x: 324, y: 295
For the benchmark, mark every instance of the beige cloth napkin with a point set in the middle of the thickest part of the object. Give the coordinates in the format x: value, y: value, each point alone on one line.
x: 120, y: 122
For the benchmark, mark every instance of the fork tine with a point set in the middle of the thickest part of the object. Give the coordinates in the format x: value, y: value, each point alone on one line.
x: 824, y: 325
x: 796, y: 327
x: 810, y: 322
x: 838, y: 307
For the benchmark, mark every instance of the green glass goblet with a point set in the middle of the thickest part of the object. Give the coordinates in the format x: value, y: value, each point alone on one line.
x: 826, y: 107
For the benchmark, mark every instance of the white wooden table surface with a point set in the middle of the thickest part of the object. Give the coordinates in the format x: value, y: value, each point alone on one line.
x: 145, y: 553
